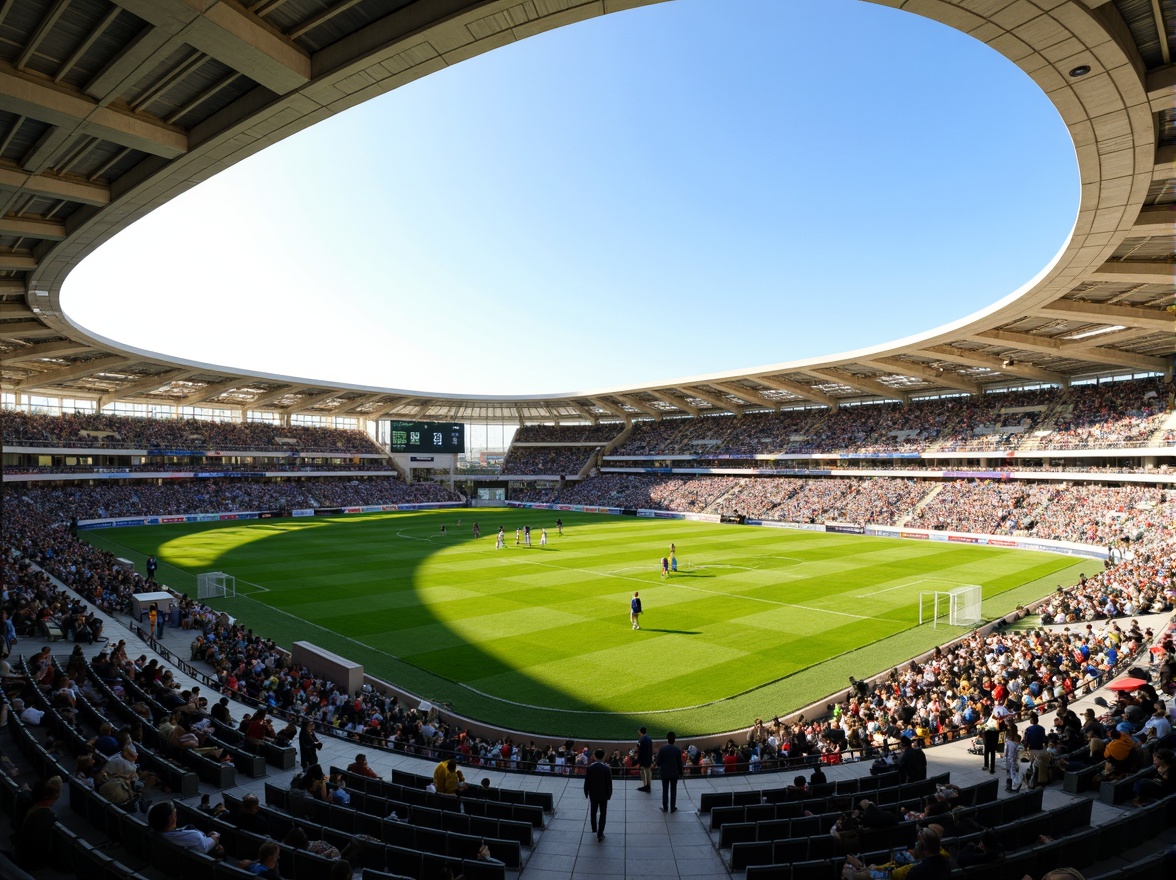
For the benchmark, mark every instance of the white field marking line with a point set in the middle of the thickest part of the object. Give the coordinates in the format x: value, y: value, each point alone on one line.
x: 331, y: 631
x: 260, y: 588
x: 400, y: 534
x: 682, y: 586
x: 592, y: 711
x: 483, y: 693
x: 911, y: 584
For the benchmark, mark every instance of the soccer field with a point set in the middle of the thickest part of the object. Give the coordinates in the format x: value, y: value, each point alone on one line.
x: 756, y: 621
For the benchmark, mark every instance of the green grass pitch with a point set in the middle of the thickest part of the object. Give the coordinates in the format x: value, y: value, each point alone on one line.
x: 756, y: 622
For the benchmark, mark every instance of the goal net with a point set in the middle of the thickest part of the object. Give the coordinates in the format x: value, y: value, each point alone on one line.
x: 215, y: 585
x: 960, y: 606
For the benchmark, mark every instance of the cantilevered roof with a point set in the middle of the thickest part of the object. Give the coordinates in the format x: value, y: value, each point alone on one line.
x: 110, y: 109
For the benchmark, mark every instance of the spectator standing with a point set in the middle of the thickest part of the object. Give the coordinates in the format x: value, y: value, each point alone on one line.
x: 669, y: 766
x: 308, y: 745
x: 645, y: 758
x: 598, y: 788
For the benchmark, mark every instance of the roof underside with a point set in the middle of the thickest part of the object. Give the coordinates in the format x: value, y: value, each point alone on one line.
x: 109, y: 109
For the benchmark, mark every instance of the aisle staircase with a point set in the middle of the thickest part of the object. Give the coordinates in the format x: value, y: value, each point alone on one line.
x: 715, y: 505
x: 922, y: 503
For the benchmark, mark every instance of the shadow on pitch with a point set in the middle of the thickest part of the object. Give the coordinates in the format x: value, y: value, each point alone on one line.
x: 679, y: 632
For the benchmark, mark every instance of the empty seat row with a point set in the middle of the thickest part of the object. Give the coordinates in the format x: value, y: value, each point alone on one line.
x: 475, y: 806
x: 369, y: 813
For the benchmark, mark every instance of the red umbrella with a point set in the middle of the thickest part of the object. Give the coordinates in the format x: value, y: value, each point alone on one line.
x: 1157, y: 649
x: 1126, y: 684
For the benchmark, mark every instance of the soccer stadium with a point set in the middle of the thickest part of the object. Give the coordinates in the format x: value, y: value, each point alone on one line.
x: 901, y: 611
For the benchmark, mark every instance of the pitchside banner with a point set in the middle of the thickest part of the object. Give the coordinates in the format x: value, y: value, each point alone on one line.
x: 1066, y: 548
x: 122, y: 522
x: 573, y: 508
x: 845, y: 528
x: 777, y: 524
x: 767, y: 472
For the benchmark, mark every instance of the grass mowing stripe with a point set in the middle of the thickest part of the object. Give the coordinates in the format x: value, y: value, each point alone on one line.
x: 761, y: 620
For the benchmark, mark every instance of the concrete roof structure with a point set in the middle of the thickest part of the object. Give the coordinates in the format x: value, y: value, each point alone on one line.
x: 109, y: 109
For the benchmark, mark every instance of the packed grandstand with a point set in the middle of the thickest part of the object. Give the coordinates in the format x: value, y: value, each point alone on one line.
x: 1089, y: 465
x: 1134, y: 521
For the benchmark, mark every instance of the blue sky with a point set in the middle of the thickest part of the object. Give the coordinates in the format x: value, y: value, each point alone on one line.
x: 694, y: 186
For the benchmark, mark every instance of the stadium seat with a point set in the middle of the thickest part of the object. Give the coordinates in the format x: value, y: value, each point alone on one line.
x: 134, y: 836
x: 369, y: 874
x: 816, y: 870
x: 308, y: 866
x: 479, y: 870
x: 746, y: 853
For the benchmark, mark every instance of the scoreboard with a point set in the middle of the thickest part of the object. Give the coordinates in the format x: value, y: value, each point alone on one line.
x: 426, y: 436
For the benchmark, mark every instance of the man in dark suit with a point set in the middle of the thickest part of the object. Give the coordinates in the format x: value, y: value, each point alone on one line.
x: 669, y: 766
x: 912, y: 762
x: 645, y: 760
x: 247, y: 816
x: 598, y: 790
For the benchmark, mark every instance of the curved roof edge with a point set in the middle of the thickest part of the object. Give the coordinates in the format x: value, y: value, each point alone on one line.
x: 145, y: 126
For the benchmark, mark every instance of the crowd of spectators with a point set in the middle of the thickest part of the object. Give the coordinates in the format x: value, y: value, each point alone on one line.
x: 554, y: 460
x: 649, y: 491
x: 883, y: 427
x: 979, y: 681
x: 1085, y: 416
x: 262, y: 466
x: 981, y: 506
x: 878, y: 501
x: 997, y: 678
x: 589, y: 434
x: 1112, y: 414
x: 785, y: 467
x: 103, y: 431
x: 35, y: 542
x: 948, y: 695
x: 214, y: 496
x: 994, y: 422
x: 1081, y: 512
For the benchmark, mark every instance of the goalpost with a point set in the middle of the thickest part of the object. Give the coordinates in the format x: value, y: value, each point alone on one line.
x: 961, y: 605
x: 216, y: 585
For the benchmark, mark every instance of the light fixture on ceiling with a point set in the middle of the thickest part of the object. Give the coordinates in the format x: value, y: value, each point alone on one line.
x: 1115, y: 328
x: 1008, y: 362
x: 1080, y: 70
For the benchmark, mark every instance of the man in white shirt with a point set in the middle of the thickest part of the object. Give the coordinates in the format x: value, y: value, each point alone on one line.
x: 1158, y: 726
x: 162, y: 819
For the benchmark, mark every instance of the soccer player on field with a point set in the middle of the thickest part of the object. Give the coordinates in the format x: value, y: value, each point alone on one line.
x: 665, y: 572
x: 559, y: 527
x: 543, y: 537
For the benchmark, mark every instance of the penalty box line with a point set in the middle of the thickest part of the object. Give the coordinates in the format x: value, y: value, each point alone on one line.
x: 682, y: 586
x: 912, y: 584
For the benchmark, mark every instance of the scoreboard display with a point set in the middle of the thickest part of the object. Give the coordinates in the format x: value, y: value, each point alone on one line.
x: 426, y: 436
